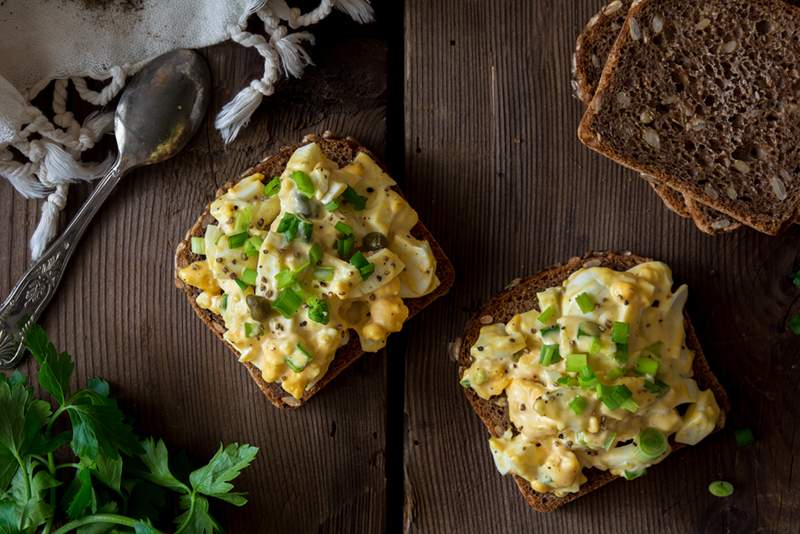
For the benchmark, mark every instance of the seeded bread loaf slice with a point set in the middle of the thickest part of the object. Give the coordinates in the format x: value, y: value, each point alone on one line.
x: 702, y: 95
x: 520, y: 297
x: 591, y: 52
x: 341, y: 151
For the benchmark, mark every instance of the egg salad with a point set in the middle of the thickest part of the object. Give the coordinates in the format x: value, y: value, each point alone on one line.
x: 597, y: 377
x: 294, y: 262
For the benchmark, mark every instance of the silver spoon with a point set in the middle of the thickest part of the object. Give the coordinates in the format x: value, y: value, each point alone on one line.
x: 159, y: 111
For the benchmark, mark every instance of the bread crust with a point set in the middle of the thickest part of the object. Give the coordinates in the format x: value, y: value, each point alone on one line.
x: 342, y: 151
x: 519, y: 297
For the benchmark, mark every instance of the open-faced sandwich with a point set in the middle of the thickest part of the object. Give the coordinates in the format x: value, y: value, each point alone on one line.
x: 587, y: 372
x: 310, y: 244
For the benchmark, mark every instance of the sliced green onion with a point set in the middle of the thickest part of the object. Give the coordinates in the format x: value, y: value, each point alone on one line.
x: 576, y: 363
x: 299, y: 359
x: 354, y: 199
x: 306, y: 229
x: 301, y: 269
x: 568, y: 381
x: 288, y: 226
x: 610, y: 441
x: 359, y: 260
x: 549, y: 355
x: 622, y: 353
x: 273, y: 187
x: 547, y: 315
x: 744, y: 437
x: 652, y: 443
x: 577, y: 405
x: 243, y: 219
x: 237, y: 240
x: 249, y: 276
x: 332, y: 206
x: 549, y: 330
x: 620, y: 332
x: 585, y: 328
x: 632, y: 475
x: 595, y: 346
x: 288, y: 302
x: 720, y: 488
x: 324, y: 274
x: 794, y: 324
x: 252, y: 329
x: 318, y: 310
x: 647, y: 366
x: 241, y: 284
x: 224, y: 305
x: 304, y: 183
x: 285, y: 278
x: 656, y: 387
x: 613, y: 396
x: 343, y: 228
x: 585, y: 302
x: 614, y: 373
x: 366, y: 271
x: 198, y: 246
x: 465, y: 383
x: 315, y: 254
x: 630, y: 405
x: 345, y: 246
x: 587, y: 379
x: 253, y: 246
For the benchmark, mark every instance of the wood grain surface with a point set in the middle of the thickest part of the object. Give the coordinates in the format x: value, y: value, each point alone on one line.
x: 490, y: 141
x: 493, y: 166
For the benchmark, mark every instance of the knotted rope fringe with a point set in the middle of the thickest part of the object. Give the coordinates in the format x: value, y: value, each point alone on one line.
x: 53, y: 160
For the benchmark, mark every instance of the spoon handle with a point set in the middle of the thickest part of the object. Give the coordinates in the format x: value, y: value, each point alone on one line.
x: 34, y: 291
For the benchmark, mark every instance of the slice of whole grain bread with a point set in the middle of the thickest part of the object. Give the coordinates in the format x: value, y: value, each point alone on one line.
x: 591, y: 52
x: 702, y: 95
x: 519, y: 297
x: 342, y: 152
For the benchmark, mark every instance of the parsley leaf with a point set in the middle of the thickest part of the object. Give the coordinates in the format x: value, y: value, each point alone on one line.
x: 156, y: 458
x: 84, y: 496
x: 196, y: 519
x: 214, y: 478
x: 98, y: 427
x: 22, y: 419
x: 55, y: 369
x: 99, y: 386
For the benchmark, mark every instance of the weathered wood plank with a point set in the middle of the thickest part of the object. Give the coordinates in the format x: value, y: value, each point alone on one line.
x: 490, y: 142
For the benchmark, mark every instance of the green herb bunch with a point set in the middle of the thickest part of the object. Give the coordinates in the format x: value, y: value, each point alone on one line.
x: 98, y: 476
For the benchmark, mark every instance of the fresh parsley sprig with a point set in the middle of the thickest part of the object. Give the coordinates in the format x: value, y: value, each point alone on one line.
x: 97, y: 476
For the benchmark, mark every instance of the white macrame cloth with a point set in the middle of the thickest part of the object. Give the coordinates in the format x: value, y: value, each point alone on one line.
x: 108, y: 40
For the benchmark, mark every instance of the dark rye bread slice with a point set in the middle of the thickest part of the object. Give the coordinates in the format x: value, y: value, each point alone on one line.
x: 519, y: 297
x: 591, y: 52
x: 703, y: 96
x: 341, y: 151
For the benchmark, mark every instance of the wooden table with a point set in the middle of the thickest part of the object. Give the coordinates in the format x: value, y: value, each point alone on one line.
x: 469, y: 100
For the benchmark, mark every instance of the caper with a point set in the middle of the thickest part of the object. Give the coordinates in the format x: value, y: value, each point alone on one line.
x: 375, y: 241
x: 259, y: 307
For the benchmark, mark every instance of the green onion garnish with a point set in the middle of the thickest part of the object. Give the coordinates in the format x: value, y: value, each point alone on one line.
x: 367, y: 271
x: 620, y: 332
x: 299, y: 359
x: 576, y: 363
x: 577, y: 405
x: 794, y: 324
x: 569, y: 381
x: 249, y: 276
x: 253, y: 246
x: 304, y: 183
x: 252, y: 329
x: 345, y: 246
x: 318, y: 310
x: 547, y: 315
x: 585, y: 302
x: 315, y: 254
x: 622, y: 353
x: 656, y: 387
x: 360, y: 262
x: 613, y: 396
x: 720, y: 488
x: 288, y: 302
x: 744, y: 437
x: 243, y: 218
x: 465, y: 383
x: 285, y: 279
x: 587, y: 379
x: 354, y: 199
x: 273, y: 187
x: 237, y: 240
x: 198, y: 246
x: 549, y: 355
x: 288, y: 226
x: 647, y: 366
x: 614, y: 373
x: 224, y: 305
x: 241, y: 284
x: 632, y: 475
x: 306, y: 228
x: 595, y: 347
x: 630, y: 405
x: 332, y: 206
x: 343, y: 228
x: 652, y: 443
x: 324, y: 274
x: 610, y: 441
x: 549, y: 330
